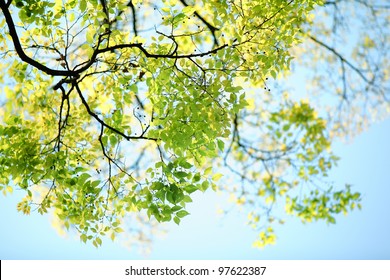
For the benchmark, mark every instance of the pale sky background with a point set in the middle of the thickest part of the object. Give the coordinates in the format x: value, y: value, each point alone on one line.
x: 204, y: 234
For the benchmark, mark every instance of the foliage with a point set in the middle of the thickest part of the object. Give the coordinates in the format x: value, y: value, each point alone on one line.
x: 108, y: 113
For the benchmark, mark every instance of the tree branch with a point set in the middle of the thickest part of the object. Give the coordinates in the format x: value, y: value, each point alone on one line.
x: 19, y: 49
x: 96, y: 117
x: 131, y: 5
x: 212, y: 28
x: 341, y: 57
x: 75, y: 72
x: 147, y: 54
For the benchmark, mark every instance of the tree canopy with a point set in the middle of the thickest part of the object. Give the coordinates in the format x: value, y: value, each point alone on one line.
x: 116, y: 110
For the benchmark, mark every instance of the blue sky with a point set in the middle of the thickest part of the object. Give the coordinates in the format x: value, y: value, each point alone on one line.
x: 206, y: 235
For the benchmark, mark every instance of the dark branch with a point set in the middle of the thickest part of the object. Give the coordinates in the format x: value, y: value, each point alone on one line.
x: 147, y: 54
x: 105, y: 11
x: 131, y: 5
x: 61, y: 124
x: 19, y: 49
x: 96, y: 117
x: 212, y: 28
x: 75, y: 72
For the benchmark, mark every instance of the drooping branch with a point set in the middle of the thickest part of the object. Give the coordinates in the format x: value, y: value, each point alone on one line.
x: 62, y: 123
x: 344, y: 79
x: 105, y: 10
x: 96, y: 117
x: 341, y: 57
x: 131, y: 5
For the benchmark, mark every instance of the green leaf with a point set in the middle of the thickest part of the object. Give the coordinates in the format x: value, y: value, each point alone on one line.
x: 176, y: 220
x: 176, y: 208
x: 83, y: 238
x: 89, y: 37
x: 113, y: 140
x: 208, y: 171
x: 331, y: 220
x: 19, y: 4
x: 9, y: 189
x: 82, y: 178
x: 204, y: 186
x: 273, y: 74
x: 182, y: 213
x: 185, y: 165
x: 94, y: 184
x: 188, y: 10
x: 98, y: 241
x: 221, y: 145
x: 196, y: 178
x: 216, y: 177
x: 112, y: 236
x: 187, y: 199
x: 180, y: 174
x: 190, y: 188
x: 118, y: 230
x: 83, y: 5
